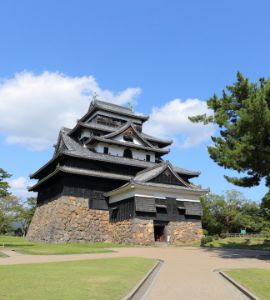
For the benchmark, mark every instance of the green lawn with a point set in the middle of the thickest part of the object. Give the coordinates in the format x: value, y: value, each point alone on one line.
x: 255, y: 280
x: 91, y: 279
x: 242, y: 243
x: 2, y: 254
x: 21, y: 245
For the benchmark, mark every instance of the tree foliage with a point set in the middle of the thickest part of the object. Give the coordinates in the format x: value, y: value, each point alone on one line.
x: 231, y: 213
x: 4, y: 186
x: 242, y: 114
x: 13, y: 211
x: 16, y: 214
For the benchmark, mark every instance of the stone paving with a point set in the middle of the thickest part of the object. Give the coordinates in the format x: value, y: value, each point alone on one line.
x: 187, y: 273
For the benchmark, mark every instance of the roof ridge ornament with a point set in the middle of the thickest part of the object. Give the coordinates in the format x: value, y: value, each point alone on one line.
x: 93, y: 100
x: 130, y: 106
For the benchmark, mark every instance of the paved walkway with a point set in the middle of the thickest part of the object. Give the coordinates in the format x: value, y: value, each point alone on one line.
x: 187, y: 273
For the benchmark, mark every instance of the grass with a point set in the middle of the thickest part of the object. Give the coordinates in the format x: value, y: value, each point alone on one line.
x: 195, y: 243
x: 2, y: 254
x: 91, y: 279
x: 241, y: 243
x: 28, y: 247
x: 255, y: 280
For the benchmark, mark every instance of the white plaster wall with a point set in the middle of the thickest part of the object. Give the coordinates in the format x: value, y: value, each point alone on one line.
x: 118, y: 151
x: 85, y: 133
x: 121, y: 139
x: 181, y: 196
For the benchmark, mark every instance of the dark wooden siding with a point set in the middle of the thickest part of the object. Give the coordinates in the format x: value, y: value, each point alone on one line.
x: 51, y: 189
x: 78, y: 186
x: 169, y: 210
x: 145, y: 204
x: 167, y: 177
x: 97, y: 200
x: 100, y: 166
x: 193, y: 208
x: 122, y: 210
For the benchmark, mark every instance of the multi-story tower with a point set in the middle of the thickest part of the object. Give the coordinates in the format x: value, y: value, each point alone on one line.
x: 107, y: 181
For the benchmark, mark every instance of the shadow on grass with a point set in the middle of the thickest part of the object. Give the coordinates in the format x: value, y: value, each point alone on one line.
x: 12, y: 245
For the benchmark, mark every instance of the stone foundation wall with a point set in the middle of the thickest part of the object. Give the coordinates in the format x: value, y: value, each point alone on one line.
x: 68, y: 219
x: 184, y: 231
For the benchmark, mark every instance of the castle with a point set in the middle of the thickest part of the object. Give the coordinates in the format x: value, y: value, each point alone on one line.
x: 107, y: 182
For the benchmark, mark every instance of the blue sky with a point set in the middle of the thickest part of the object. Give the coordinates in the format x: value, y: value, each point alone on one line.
x: 163, y: 50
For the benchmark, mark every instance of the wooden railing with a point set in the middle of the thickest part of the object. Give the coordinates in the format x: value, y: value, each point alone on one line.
x: 247, y: 235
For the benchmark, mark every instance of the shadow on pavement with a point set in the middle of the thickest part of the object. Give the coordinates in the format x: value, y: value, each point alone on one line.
x: 238, y: 253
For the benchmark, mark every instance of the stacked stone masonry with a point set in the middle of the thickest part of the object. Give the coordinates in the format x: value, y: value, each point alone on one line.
x: 68, y: 219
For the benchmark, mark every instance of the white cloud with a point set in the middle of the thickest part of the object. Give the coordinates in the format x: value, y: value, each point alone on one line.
x: 34, y: 107
x: 171, y: 120
x: 18, y: 187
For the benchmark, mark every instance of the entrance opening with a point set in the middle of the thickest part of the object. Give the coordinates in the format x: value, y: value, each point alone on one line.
x: 159, y: 233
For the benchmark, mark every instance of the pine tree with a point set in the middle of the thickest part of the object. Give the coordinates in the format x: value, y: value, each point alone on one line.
x: 3, y: 184
x: 242, y: 115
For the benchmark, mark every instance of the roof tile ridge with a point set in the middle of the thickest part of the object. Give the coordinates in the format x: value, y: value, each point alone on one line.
x: 176, y: 175
x: 190, y: 171
x: 119, y: 130
x: 100, y: 102
x: 156, y: 165
x: 163, y: 166
x: 126, y: 126
x: 140, y: 136
x: 156, y: 138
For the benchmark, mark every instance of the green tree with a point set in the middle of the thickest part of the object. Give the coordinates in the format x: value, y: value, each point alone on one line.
x: 4, y: 193
x: 242, y: 115
x: 8, y: 205
x: 4, y: 186
x: 230, y: 213
x: 16, y: 213
x: 24, y: 213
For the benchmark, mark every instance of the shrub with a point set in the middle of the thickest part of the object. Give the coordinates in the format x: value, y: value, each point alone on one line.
x: 205, y: 240
x: 223, y: 235
x: 265, y: 232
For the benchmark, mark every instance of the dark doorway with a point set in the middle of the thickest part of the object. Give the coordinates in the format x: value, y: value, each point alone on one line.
x: 159, y: 233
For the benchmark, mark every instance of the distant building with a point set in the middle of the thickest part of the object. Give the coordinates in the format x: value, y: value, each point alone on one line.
x: 107, y: 181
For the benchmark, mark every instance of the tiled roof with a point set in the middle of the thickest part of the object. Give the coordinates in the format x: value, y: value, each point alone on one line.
x: 97, y: 126
x: 125, y: 127
x: 150, y: 173
x: 75, y: 149
x: 156, y: 139
x: 177, y: 187
x: 126, y: 144
x: 110, y: 107
x: 126, y: 186
x: 186, y: 172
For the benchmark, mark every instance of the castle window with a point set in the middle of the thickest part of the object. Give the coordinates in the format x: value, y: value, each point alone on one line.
x: 128, y: 138
x: 161, y: 209
x: 127, y: 153
x: 114, y: 213
x: 106, y: 150
x: 148, y: 157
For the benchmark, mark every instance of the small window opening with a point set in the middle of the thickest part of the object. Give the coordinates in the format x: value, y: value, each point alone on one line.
x: 106, y: 150
x: 181, y: 211
x: 161, y: 209
x: 128, y: 138
x: 148, y: 157
x: 127, y: 153
x: 114, y: 213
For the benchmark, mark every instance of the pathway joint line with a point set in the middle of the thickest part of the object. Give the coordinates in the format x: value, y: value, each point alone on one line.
x: 132, y: 295
x: 239, y: 286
